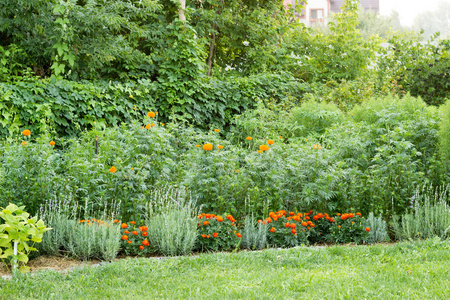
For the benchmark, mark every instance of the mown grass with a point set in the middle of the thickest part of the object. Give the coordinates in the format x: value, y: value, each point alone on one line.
x: 400, y: 271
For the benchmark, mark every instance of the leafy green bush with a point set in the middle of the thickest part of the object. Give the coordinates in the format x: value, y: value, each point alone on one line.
x: 444, y: 132
x: 16, y: 230
x: 314, y: 117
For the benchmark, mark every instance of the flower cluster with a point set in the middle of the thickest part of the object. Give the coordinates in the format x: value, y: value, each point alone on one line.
x: 217, y: 232
x: 288, y: 229
x: 134, y: 239
x: 349, y: 227
x: 292, y: 229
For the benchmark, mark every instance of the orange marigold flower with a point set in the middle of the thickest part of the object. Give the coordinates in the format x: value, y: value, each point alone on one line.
x: 133, y: 222
x: 316, y: 218
x: 141, y: 247
x: 124, y: 225
x: 126, y: 232
x: 339, y: 226
x: 358, y: 213
x: 215, y: 234
x: 293, y: 231
x: 304, y: 224
x: 367, y: 229
x: 259, y: 151
x: 275, y: 218
x: 52, y: 143
x: 249, y: 138
x: 293, y: 225
x: 216, y: 130
x: 26, y: 132
x: 134, y: 232
x: 197, y: 145
x: 23, y: 143
x: 280, y: 137
x: 263, y: 147
x: 312, y: 225
x: 113, y: 169
x: 206, y: 223
x: 307, y: 218
x: 145, y: 233
x: 338, y: 214
x: 203, y: 235
x: 151, y: 114
x: 320, y: 215
x: 124, y: 237
x: 237, y: 171
x: 147, y: 126
x: 272, y: 229
x: 153, y: 125
x: 116, y: 221
x: 219, y: 219
x: 238, y: 235
x: 350, y: 215
x: 291, y: 213
x: 146, y: 243
x: 344, y: 217
x: 207, y: 147
x: 286, y: 224
x: 129, y: 242
x: 207, y: 236
x: 270, y: 142
x: 220, y: 146
x: 156, y: 112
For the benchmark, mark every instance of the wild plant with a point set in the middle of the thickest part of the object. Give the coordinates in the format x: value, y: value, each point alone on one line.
x: 428, y: 216
x: 255, y: 234
x: 377, y: 227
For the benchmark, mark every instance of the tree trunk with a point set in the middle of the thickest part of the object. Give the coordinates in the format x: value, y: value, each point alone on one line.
x: 211, y: 51
x: 181, y: 14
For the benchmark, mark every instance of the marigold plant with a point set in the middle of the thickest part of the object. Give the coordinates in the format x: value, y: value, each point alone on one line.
x: 222, y: 229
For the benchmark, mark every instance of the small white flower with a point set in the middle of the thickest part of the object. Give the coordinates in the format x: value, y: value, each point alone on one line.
x: 246, y: 43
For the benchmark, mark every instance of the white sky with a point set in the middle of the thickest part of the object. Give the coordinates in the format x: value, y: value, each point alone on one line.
x: 408, y: 9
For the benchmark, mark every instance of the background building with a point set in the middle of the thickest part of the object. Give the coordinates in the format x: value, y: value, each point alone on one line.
x: 317, y: 11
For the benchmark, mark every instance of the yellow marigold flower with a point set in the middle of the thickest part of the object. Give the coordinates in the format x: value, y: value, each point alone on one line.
x: 197, y: 145
x: 207, y: 147
x: 26, y: 132
x: 249, y: 138
x: 162, y: 124
x: 113, y: 169
x: 147, y: 126
x: 131, y: 96
x: 156, y: 112
x: 220, y: 146
x: 259, y: 151
x: 270, y: 142
x: 263, y: 147
x: 280, y: 137
x: 216, y: 130
x: 153, y: 125
x: 151, y: 114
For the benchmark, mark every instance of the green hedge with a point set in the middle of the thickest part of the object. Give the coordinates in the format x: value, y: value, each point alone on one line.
x: 68, y: 107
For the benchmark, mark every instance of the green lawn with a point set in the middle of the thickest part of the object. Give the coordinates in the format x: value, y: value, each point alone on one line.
x: 418, y: 270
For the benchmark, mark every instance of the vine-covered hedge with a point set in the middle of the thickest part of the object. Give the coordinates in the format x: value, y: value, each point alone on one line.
x: 68, y: 107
